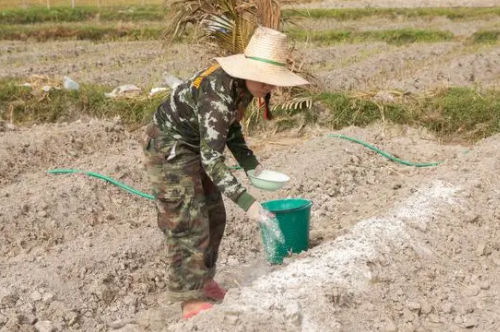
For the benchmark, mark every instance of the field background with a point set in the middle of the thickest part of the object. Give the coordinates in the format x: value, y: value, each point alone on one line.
x: 394, y: 248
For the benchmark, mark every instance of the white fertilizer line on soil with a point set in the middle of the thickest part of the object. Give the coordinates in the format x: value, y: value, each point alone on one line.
x: 347, y: 255
x: 297, y: 295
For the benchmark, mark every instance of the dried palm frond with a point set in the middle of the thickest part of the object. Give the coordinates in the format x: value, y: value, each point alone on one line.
x: 226, y: 26
x: 294, y: 104
x: 284, y: 110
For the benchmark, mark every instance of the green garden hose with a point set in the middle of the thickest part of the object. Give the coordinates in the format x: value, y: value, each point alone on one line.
x: 113, y: 181
x: 104, y: 177
x: 385, y: 154
x: 139, y: 193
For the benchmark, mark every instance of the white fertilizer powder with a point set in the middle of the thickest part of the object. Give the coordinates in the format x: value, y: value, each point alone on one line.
x: 295, y: 298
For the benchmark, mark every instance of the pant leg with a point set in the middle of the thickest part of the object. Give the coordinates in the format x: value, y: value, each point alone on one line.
x: 182, y: 215
x: 217, y: 222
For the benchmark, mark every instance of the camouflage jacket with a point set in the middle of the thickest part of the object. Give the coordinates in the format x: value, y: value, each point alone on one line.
x: 204, y: 113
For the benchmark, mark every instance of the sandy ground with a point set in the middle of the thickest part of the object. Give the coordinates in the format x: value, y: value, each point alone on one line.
x: 462, y: 29
x: 407, y: 249
x: 116, y: 63
x: 367, y: 66
x: 394, y: 248
x: 364, y: 66
x: 414, y: 68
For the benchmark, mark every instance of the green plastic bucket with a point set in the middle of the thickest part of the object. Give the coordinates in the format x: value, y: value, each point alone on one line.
x: 293, y: 218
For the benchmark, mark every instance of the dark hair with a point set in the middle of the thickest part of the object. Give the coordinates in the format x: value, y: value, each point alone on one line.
x: 267, y: 110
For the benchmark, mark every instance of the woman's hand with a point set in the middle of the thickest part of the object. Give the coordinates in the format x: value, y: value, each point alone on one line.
x: 258, y: 170
x: 253, y: 211
x: 257, y: 213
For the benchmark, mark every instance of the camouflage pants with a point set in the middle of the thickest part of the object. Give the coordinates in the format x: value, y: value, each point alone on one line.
x: 190, y: 212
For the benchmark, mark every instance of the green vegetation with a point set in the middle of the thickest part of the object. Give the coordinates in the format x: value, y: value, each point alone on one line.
x: 90, y: 32
x: 450, y: 113
x: 81, y: 14
x: 454, y: 112
x: 157, y: 12
x: 106, y: 33
x: 397, y: 36
x: 393, y: 13
x: 486, y: 36
x: 19, y: 104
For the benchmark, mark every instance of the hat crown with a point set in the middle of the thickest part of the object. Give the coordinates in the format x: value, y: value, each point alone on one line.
x: 268, y: 44
x: 264, y: 60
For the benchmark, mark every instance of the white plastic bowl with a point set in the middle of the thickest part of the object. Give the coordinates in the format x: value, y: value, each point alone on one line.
x: 268, y: 180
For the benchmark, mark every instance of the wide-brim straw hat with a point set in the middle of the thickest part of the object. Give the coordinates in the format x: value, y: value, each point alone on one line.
x: 264, y: 60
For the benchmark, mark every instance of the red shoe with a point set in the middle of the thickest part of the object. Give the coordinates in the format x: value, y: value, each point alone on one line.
x: 203, y: 307
x: 212, y: 290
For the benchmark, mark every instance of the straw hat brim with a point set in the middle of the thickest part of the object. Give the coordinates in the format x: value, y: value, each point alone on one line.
x: 241, y: 67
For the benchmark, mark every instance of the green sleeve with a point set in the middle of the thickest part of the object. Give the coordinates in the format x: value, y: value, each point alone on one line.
x: 214, y: 117
x: 238, y: 147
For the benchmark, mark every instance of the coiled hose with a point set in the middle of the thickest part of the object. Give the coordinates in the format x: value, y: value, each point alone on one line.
x: 151, y: 197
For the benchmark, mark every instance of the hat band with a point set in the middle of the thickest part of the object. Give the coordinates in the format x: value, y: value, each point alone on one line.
x: 267, y: 61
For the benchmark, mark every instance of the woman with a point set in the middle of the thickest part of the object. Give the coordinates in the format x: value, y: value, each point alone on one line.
x: 184, y: 148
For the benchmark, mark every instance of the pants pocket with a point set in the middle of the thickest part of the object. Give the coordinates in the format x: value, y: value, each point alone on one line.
x: 174, y: 211
x: 153, y: 146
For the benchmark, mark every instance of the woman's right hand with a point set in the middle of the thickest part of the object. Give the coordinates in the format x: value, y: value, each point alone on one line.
x: 257, y: 213
x: 253, y: 211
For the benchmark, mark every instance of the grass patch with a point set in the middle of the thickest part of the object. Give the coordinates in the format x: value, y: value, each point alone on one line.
x: 81, y: 14
x: 133, y: 32
x: 397, y: 36
x: 41, y: 4
x: 455, y: 113
x: 94, y: 33
x: 23, y: 107
x: 461, y: 112
x: 393, y: 13
x: 155, y: 12
x: 481, y: 37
